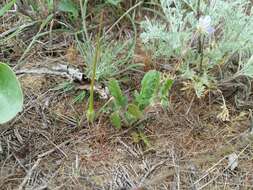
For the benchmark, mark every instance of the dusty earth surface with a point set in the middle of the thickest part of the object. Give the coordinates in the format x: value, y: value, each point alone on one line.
x: 47, y: 148
x: 50, y: 146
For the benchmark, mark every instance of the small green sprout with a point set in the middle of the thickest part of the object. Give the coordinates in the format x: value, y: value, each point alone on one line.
x: 154, y: 90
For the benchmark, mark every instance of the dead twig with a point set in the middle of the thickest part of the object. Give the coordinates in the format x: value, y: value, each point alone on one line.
x: 128, y: 148
x: 67, y: 72
x: 59, y: 70
x: 29, y: 174
x: 152, y: 169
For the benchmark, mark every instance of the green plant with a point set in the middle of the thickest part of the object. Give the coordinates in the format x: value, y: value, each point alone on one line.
x: 90, y: 114
x: 206, y: 37
x: 7, y: 7
x: 69, y: 6
x: 154, y: 89
x: 149, y: 88
x: 247, y: 69
x: 115, y: 55
x: 11, y: 96
x: 114, y: 58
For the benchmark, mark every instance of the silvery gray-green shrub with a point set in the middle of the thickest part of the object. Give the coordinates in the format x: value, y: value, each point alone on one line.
x: 11, y: 96
x: 202, y: 42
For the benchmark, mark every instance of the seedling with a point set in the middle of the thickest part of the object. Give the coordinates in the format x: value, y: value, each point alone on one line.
x: 154, y: 90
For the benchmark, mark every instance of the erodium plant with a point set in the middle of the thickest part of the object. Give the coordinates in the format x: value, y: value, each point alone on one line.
x: 154, y: 90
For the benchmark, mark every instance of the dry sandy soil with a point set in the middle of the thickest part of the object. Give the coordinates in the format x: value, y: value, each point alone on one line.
x: 44, y: 148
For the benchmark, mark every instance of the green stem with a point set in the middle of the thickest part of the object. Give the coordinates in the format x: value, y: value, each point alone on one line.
x: 202, y: 39
x: 91, y: 112
x: 198, y: 17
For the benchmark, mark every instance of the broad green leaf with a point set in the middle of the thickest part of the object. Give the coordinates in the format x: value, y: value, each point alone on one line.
x: 166, y: 86
x: 114, y: 88
x: 134, y: 111
x: 116, y: 120
x: 7, y: 7
x: 149, y: 87
x: 68, y: 6
x: 11, y: 96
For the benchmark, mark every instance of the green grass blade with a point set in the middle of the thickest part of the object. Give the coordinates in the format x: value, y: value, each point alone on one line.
x: 7, y: 7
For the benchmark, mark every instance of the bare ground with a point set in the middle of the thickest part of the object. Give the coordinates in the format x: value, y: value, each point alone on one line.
x: 44, y: 148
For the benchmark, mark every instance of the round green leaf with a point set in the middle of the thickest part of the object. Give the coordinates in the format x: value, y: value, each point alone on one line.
x: 11, y: 96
